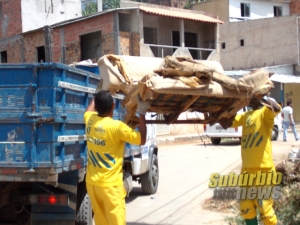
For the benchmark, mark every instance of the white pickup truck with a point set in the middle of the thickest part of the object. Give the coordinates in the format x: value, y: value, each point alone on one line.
x: 216, y: 132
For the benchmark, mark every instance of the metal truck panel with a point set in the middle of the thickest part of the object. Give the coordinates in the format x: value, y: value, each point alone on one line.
x: 46, y: 92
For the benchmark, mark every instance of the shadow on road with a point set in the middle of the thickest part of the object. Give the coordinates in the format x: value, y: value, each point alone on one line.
x: 223, y: 143
x: 135, y: 193
x: 133, y: 223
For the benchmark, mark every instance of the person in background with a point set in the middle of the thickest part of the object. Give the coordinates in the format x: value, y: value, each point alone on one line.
x: 279, y: 117
x: 288, y: 120
x: 256, y: 151
x: 106, y: 139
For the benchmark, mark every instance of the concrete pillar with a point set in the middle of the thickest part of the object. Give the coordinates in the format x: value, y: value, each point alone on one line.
x: 99, y: 5
x: 141, y: 26
x: 181, y: 30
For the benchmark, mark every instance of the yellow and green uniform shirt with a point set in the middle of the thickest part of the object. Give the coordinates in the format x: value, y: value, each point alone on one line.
x: 256, y: 143
x: 105, y: 149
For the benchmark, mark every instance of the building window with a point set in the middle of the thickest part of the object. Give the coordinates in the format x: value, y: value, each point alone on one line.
x: 223, y: 45
x: 150, y: 37
x: 41, y: 55
x: 3, y: 57
x: 242, y: 42
x: 245, y: 10
x: 190, y: 40
x: 277, y: 11
x: 124, y: 22
x: 91, y: 46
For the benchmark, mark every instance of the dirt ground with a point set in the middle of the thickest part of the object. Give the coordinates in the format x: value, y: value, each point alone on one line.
x: 230, y: 208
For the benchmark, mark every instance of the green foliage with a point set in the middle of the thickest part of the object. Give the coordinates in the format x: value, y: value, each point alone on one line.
x: 90, y: 8
x: 287, y: 208
x: 111, y: 4
x: 188, y: 4
x: 237, y: 220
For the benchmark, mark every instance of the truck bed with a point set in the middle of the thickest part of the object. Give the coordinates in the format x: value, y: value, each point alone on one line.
x: 41, y: 120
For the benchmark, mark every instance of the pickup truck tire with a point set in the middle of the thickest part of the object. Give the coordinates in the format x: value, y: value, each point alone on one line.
x: 215, y: 141
x: 83, y: 205
x: 275, y: 133
x: 149, y: 180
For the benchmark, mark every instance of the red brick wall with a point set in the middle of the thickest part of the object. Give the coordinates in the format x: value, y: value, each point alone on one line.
x: 13, y: 48
x: 31, y: 42
x: 10, y: 21
x: 294, y: 7
x: 72, y: 33
x: 130, y: 43
x: 71, y: 38
x: 125, y: 43
x: 135, y: 44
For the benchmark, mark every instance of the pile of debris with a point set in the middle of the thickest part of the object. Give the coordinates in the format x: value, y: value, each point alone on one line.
x: 173, y: 85
x: 290, y: 168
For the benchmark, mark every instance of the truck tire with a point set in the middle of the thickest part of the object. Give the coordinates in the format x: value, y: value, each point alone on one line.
x: 83, y: 205
x: 215, y: 141
x: 275, y: 133
x: 149, y: 180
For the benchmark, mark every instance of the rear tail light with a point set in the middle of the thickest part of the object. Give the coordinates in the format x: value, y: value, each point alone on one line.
x: 56, y: 200
x: 204, y: 127
x: 52, y: 199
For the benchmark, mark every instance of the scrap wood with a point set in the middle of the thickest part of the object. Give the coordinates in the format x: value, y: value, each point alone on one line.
x: 174, y: 85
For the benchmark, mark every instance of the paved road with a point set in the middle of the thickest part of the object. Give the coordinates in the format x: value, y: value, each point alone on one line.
x: 183, y: 185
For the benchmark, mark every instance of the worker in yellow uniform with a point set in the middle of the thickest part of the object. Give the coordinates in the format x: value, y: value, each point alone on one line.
x: 106, y: 139
x: 256, y: 152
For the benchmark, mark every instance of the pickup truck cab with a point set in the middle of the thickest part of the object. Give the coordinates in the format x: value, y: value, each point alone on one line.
x: 216, y: 132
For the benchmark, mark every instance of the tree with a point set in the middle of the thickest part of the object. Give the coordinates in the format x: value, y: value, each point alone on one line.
x: 90, y: 8
x: 111, y: 4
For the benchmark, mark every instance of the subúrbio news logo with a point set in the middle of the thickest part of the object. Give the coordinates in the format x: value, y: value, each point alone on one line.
x: 259, y: 185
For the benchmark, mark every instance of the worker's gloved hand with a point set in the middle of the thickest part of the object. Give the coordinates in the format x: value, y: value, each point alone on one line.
x: 142, y: 107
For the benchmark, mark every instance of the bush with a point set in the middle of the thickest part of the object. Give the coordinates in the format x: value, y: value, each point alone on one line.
x: 287, y: 208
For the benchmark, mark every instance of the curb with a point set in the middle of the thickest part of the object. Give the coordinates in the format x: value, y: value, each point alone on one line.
x: 185, y: 138
x: 169, y: 139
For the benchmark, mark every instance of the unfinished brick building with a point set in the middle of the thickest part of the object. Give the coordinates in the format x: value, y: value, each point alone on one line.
x: 134, y: 29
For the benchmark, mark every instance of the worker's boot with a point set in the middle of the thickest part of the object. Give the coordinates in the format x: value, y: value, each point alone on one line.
x: 252, y: 221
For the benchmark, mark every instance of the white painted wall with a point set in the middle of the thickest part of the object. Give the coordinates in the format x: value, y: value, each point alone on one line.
x: 38, y: 13
x: 258, y: 9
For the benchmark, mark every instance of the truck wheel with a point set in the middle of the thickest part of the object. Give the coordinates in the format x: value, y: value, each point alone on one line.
x: 149, y: 180
x: 275, y: 133
x: 215, y: 141
x: 83, y: 205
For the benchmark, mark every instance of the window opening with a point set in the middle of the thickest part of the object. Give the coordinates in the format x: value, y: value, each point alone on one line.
x: 277, y: 11
x: 91, y: 46
x: 190, y: 40
x: 242, y: 42
x: 41, y: 55
x: 245, y: 10
x: 150, y: 37
x: 3, y: 57
x: 223, y: 45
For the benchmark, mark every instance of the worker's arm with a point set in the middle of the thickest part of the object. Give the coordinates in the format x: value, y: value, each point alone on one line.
x: 143, y: 129
x: 142, y: 110
x: 91, y: 106
x: 271, y: 104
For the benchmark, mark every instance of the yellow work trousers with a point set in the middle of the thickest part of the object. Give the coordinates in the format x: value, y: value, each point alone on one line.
x: 265, y: 206
x: 108, y: 204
